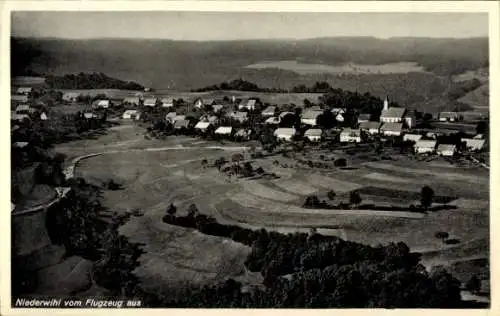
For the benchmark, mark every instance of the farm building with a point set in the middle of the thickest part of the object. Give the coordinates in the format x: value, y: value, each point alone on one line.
x: 20, y: 117
x: 446, y: 149
x: 391, y: 129
x: 180, y: 124
x: 243, y: 133
x: 310, y: 117
x: 313, y: 134
x: 202, y: 126
x: 224, y: 130
x: 425, y: 146
x: 448, y: 116
x: 283, y: 114
x: 132, y: 101
x: 249, y: 104
x: 130, y: 114
x: 20, y: 144
x: 349, y: 135
x: 217, y: 107
x: 167, y: 102
x: 391, y: 115
x: 23, y: 109
x: 19, y: 98
x: 272, y: 121
x: 89, y: 115
x: 43, y: 116
x: 170, y: 116
x: 269, y: 111
x: 370, y: 127
x: 363, y: 117
x: 103, y: 104
x: 178, y: 118
x: 412, y: 137
x: 70, y: 96
x: 339, y: 117
x: 284, y: 133
x: 200, y: 103
x: 24, y: 90
x: 473, y: 144
x: 239, y: 116
x: 150, y: 102
x: 338, y: 110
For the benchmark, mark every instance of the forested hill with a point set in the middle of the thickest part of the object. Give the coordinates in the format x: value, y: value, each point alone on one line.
x: 90, y: 81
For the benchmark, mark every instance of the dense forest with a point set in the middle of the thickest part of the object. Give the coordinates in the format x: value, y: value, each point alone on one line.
x: 89, y: 81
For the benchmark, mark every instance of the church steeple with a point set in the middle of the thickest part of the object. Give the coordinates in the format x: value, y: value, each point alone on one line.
x: 386, y: 103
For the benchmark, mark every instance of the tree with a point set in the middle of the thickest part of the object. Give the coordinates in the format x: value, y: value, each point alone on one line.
x: 172, y: 210
x: 482, y: 127
x: 426, y: 197
x: 354, y: 198
x: 473, y: 285
x: 442, y: 235
x: 331, y: 195
x: 341, y: 162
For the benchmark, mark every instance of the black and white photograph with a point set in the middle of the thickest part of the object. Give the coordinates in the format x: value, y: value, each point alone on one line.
x: 250, y: 159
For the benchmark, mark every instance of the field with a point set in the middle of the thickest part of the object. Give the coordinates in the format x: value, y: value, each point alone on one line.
x: 305, y: 69
x: 172, y: 173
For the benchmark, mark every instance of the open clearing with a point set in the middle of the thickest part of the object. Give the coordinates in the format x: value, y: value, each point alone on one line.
x: 153, y: 179
x: 306, y: 69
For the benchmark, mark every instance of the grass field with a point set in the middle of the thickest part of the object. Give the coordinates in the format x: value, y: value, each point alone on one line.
x: 154, y: 179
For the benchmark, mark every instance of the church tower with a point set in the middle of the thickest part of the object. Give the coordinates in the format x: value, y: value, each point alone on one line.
x: 386, y: 103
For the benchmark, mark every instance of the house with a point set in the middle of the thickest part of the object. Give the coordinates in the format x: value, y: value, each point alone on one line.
x: 19, y: 98
x: 20, y: 144
x: 24, y: 90
x: 391, y: 129
x: 249, y: 104
x: 23, y: 109
x: 283, y: 114
x: 370, y: 127
x: 409, y: 120
x: 313, y: 134
x: 315, y: 108
x: 349, y: 135
x: 178, y: 118
x: 20, y: 117
x: 181, y: 124
x: 391, y: 115
x: 448, y: 116
x: 310, y: 117
x: 200, y: 103
x: 243, y: 133
x: 130, y: 114
x: 150, y: 102
x: 209, y: 118
x: 103, y: 104
x: 272, y: 121
x: 224, y: 130
x: 202, y: 126
x: 170, y: 116
x: 446, y: 149
x: 217, y: 107
x: 364, y: 117
x: 44, y: 116
x: 338, y: 110
x: 479, y: 136
x: 473, y: 144
x: 89, y: 115
x: 339, y: 117
x: 70, y: 96
x: 167, y: 102
x: 239, y: 116
x: 132, y: 101
x: 269, y: 111
x: 425, y: 146
x: 412, y: 137
x: 284, y: 133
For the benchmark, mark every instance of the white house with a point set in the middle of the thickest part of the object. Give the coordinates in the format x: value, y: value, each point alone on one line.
x: 200, y: 103
x: 24, y: 90
x: 272, y: 121
x: 349, y: 135
x: 103, y: 104
x: 23, y: 109
x: 283, y: 114
x: 391, y: 129
x: 20, y: 117
x: 338, y: 110
x: 339, y: 117
x: 313, y: 134
x: 310, y: 117
x: 412, y: 137
x: 269, y: 111
x: 425, y: 146
x: 179, y: 124
x: 473, y: 144
x: 224, y: 130
x: 239, y: 116
x: 43, y: 116
x: 170, y: 116
x: 167, y: 102
x: 19, y: 98
x: 129, y: 114
x: 217, y: 107
x: 150, y: 102
x: 244, y: 133
x: 20, y: 144
x: 178, y: 118
x: 284, y: 133
x: 89, y: 115
x: 363, y: 117
x: 70, y: 96
x: 391, y: 115
x: 409, y: 120
x: 247, y: 104
x: 202, y: 126
x: 370, y: 127
x: 448, y: 116
x: 131, y: 100
x: 479, y: 136
x: 446, y: 149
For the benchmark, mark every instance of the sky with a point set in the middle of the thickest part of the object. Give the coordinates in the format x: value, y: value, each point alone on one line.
x: 201, y: 26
